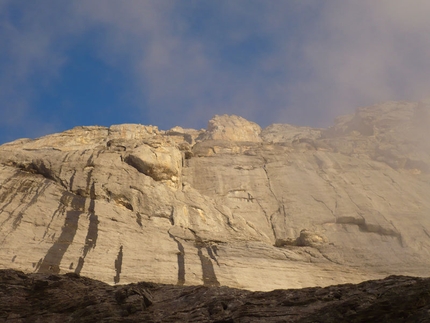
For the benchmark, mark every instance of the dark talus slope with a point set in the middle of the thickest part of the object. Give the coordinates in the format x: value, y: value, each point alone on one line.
x: 71, y: 298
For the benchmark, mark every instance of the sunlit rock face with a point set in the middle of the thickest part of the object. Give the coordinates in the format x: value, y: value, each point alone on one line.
x: 234, y: 205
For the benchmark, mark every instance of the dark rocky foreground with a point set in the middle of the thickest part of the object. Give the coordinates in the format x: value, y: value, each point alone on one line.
x: 71, y: 298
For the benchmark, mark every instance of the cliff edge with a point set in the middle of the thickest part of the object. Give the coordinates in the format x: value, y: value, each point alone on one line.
x: 232, y: 205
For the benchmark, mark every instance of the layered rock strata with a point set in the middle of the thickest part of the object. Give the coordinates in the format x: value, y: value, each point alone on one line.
x: 233, y: 205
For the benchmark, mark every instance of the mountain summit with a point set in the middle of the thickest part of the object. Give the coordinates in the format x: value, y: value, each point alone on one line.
x: 233, y: 205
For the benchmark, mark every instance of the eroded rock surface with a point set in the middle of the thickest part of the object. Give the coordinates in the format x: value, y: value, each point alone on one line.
x: 233, y: 205
x: 71, y: 298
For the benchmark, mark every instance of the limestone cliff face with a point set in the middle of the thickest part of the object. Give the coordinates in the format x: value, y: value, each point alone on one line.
x: 234, y: 205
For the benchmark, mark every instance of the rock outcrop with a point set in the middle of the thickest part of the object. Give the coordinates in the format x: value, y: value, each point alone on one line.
x: 233, y: 205
x: 71, y: 298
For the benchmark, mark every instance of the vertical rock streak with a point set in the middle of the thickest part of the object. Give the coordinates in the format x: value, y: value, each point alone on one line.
x: 90, y: 241
x: 51, y: 261
x: 181, y: 261
x: 209, y: 277
x: 26, y: 188
x: 211, y: 254
x: 39, y: 192
x: 92, y: 234
x: 6, y: 192
x: 58, y: 212
x: 118, y: 266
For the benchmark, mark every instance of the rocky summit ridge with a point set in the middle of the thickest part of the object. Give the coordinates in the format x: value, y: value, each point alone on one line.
x: 233, y: 205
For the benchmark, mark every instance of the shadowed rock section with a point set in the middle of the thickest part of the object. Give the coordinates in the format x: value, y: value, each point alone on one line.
x: 181, y: 262
x: 71, y: 298
x: 51, y: 262
x: 90, y: 240
x: 92, y: 234
x: 209, y: 277
x: 118, y: 266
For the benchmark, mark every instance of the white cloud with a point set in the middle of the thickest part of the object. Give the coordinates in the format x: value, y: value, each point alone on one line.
x: 368, y: 51
x: 185, y: 75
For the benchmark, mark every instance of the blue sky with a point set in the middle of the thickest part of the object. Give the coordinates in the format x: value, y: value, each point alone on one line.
x: 67, y: 63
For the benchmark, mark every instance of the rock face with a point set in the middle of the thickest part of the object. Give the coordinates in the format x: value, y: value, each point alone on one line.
x: 71, y: 298
x: 233, y: 205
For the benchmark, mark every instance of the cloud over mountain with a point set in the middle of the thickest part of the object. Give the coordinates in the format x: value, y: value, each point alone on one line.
x: 169, y: 62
